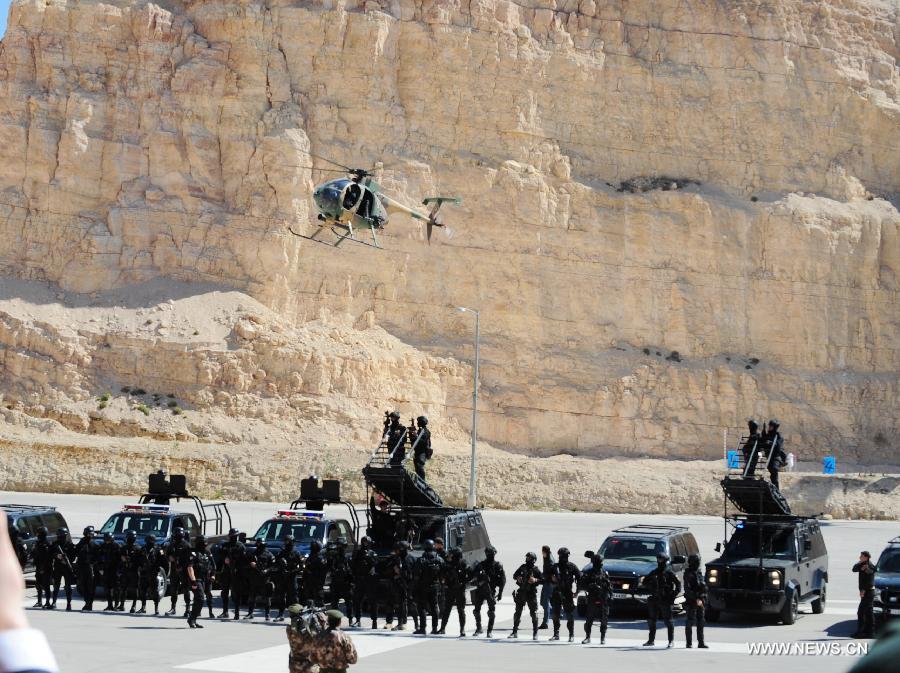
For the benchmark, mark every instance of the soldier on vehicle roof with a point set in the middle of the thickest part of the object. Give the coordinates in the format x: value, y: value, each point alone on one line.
x: 396, y: 436
x: 422, y: 442
x: 774, y: 445
x: 751, y: 448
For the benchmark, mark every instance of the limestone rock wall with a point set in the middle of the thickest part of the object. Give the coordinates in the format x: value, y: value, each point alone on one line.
x: 142, y: 140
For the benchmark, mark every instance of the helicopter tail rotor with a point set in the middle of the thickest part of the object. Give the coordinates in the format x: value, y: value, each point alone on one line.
x: 436, y: 202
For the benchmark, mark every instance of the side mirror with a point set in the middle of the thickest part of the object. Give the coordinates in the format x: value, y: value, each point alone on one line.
x: 242, y: 537
x: 678, y: 560
x: 718, y: 546
x: 589, y: 554
x: 807, y: 545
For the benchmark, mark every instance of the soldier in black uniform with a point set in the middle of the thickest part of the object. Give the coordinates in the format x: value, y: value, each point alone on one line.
x: 201, y: 547
x: 598, y: 587
x: 865, y: 617
x: 457, y: 575
x: 199, y: 567
x: 751, y: 448
x: 19, y: 546
x: 129, y: 572
x: 63, y: 552
x: 152, y: 559
x: 663, y: 586
x: 42, y: 556
x: 427, y: 573
x: 384, y: 590
x: 400, y: 570
x: 365, y: 585
x: 694, y: 601
x: 547, y: 563
x: 341, y: 575
x: 774, y: 445
x: 109, y: 553
x: 178, y: 552
x: 261, y: 568
x: 288, y: 567
x: 85, y: 567
x: 396, y: 438
x: 314, y: 574
x: 564, y: 578
x: 423, y: 451
x: 488, y: 576
x: 528, y: 577
x: 232, y: 551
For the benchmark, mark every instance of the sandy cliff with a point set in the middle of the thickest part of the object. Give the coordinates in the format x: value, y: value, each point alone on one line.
x: 169, y: 146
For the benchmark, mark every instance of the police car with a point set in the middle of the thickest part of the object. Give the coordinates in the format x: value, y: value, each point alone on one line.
x: 306, y: 526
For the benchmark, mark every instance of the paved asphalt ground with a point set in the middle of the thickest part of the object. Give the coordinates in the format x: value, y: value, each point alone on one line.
x: 124, y: 643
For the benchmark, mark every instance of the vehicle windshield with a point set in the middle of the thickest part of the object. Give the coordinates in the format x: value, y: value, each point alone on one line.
x: 304, y: 532
x: 142, y: 524
x: 632, y: 549
x: 777, y: 542
x: 889, y: 561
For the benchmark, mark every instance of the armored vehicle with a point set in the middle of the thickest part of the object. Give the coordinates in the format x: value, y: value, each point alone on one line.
x: 887, y: 581
x: 26, y: 519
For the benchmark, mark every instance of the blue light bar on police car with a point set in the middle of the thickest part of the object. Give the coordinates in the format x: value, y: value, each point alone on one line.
x: 295, y: 514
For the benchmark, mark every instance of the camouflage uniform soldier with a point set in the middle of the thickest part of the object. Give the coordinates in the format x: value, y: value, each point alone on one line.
x: 302, y: 640
x: 333, y: 651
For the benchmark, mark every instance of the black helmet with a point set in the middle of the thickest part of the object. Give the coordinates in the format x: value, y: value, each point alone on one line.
x: 200, y: 542
x: 774, y: 423
x: 315, y: 546
x: 531, y: 557
x: 62, y: 533
x: 490, y: 551
x: 366, y: 541
x: 429, y: 545
x: 694, y: 561
x: 150, y: 539
x: 233, y: 535
x: 341, y: 541
x: 456, y: 552
x: 130, y: 536
x: 395, y: 415
x: 662, y: 557
x: 108, y: 537
x: 562, y: 551
x: 753, y: 425
x: 597, y: 559
x: 260, y: 542
x: 178, y: 533
x: 422, y: 421
x: 88, y: 531
x: 289, y: 539
x: 42, y: 532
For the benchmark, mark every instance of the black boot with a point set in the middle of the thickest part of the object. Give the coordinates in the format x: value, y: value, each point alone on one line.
x: 688, y: 637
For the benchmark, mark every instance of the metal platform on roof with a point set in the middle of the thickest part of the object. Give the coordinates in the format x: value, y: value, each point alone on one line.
x: 396, y: 482
x: 752, y: 495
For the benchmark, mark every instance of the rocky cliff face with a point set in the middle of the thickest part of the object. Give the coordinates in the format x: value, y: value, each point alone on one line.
x: 143, y: 141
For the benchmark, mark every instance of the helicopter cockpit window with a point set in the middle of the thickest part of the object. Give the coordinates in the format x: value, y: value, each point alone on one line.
x: 351, y: 196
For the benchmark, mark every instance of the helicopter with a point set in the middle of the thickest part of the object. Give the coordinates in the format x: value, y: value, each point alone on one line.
x: 354, y: 203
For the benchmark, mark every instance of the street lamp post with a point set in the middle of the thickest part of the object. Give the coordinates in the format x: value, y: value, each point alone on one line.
x: 470, y: 501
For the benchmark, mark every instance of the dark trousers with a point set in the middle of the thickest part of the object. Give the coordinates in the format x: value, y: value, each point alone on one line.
x: 420, y: 469
x: 400, y: 601
x: 60, y: 575
x: 341, y: 590
x: 259, y: 588
x: 523, y: 598
x: 546, y: 595
x: 457, y: 598
x: 149, y: 588
x: 128, y: 584
x: 559, y: 602
x: 286, y: 588
x: 427, y: 602
x: 773, y: 475
x: 696, y: 616
x: 865, y: 615
x: 42, y: 580
x: 364, y: 591
x: 657, y: 610
x: 198, y: 591
x: 179, y: 584
x: 87, y: 586
x: 480, y: 596
x: 596, y: 610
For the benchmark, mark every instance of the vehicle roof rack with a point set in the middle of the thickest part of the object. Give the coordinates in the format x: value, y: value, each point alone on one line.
x: 27, y: 508
x: 649, y: 529
x: 161, y: 491
x: 314, y: 497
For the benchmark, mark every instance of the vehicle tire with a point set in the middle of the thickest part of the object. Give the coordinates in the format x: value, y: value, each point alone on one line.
x: 712, y: 615
x: 162, y: 582
x: 790, y: 610
x: 818, y: 605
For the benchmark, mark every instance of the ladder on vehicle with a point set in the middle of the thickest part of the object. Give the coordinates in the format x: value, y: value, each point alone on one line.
x: 739, y: 466
x: 388, y: 473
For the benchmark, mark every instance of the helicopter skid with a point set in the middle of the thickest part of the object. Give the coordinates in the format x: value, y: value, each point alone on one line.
x: 344, y: 234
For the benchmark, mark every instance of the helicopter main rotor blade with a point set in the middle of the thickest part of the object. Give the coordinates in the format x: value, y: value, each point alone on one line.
x: 330, y: 161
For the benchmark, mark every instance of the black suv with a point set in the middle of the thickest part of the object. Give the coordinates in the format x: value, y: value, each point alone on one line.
x: 770, y: 565
x: 28, y: 518
x: 630, y: 555
x: 887, y: 580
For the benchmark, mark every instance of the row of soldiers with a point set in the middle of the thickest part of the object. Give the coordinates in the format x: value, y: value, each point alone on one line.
x: 399, y: 585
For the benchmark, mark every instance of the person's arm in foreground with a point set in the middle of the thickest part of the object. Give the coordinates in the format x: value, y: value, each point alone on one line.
x: 22, y: 650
